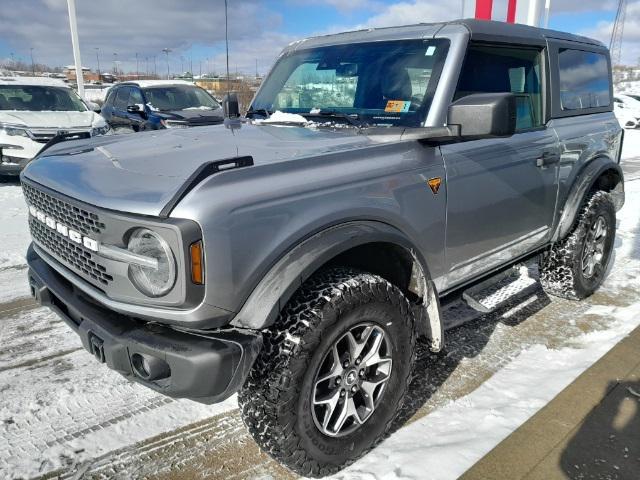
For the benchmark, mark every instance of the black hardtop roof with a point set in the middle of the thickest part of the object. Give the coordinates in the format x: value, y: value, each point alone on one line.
x: 481, y: 30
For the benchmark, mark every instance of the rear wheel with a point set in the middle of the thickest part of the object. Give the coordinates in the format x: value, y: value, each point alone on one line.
x: 576, y: 266
x: 333, y: 373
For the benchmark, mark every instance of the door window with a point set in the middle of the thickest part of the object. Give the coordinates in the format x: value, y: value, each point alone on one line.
x: 135, y: 97
x: 122, y: 98
x: 493, y: 69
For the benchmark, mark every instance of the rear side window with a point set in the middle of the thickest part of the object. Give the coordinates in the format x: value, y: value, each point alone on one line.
x: 122, y: 98
x: 489, y: 69
x: 584, y: 80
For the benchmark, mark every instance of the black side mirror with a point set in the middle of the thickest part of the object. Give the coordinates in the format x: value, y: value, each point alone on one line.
x: 134, y: 109
x: 484, y: 115
x: 231, y: 106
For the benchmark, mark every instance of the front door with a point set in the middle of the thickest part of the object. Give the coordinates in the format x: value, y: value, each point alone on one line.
x: 501, y: 193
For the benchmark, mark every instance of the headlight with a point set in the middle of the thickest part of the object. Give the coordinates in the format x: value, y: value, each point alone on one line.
x: 100, y: 130
x: 13, y: 131
x: 153, y: 282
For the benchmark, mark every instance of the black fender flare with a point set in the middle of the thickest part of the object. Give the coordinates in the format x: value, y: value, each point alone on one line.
x: 581, y: 187
x: 299, y: 263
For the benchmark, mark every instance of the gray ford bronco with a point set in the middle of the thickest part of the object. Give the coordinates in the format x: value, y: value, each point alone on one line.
x: 296, y: 255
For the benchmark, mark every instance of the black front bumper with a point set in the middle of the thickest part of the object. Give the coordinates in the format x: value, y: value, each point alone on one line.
x: 204, y: 367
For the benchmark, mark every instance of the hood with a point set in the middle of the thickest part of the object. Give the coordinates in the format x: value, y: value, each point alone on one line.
x: 50, y: 119
x: 141, y: 173
x: 195, y: 116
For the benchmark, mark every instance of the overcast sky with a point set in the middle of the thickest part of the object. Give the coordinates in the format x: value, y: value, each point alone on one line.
x: 258, y: 29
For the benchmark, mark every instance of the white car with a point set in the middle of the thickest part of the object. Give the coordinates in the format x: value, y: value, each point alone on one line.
x: 34, y: 110
x: 627, y: 109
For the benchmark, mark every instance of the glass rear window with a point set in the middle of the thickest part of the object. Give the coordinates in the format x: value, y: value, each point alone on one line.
x: 584, y: 79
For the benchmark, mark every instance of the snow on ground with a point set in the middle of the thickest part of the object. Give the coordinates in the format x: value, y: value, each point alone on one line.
x: 14, y: 233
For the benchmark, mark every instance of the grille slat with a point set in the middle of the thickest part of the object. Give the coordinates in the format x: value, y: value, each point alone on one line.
x: 70, y: 215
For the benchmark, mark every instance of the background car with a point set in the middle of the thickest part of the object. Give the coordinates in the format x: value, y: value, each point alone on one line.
x: 33, y: 110
x: 627, y: 110
x: 155, y: 104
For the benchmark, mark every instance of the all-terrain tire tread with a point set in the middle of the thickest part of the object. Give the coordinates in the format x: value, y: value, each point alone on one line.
x: 268, y: 400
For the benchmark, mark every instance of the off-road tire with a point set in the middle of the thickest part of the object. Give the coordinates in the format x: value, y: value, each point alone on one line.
x: 275, y: 399
x: 561, y: 271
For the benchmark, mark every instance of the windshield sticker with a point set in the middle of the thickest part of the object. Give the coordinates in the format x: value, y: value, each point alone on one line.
x: 430, y: 51
x: 399, y: 106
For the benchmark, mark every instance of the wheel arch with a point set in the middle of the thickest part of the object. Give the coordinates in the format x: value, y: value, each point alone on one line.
x: 373, y: 246
x: 599, y: 174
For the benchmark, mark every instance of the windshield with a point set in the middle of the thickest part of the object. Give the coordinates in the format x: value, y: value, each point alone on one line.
x: 381, y: 83
x: 38, y: 98
x: 179, y: 97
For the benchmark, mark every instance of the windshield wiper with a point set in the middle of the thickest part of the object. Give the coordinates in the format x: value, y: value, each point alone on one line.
x: 351, y: 118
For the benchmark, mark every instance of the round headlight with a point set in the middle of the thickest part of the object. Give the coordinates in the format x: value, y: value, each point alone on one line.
x: 153, y: 282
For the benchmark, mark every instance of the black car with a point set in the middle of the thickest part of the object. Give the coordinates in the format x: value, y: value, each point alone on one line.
x: 156, y: 104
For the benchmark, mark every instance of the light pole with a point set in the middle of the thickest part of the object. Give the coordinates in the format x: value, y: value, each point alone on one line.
x: 137, y: 69
x: 146, y: 63
x: 166, y: 52
x: 115, y: 63
x: 97, y: 49
x: 155, y: 66
x: 33, y: 66
x: 181, y: 65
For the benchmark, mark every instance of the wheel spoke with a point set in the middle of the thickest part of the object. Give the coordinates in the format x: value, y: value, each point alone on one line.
x: 374, y: 351
x: 329, y: 401
x: 336, y: 368
x: 348, y: 410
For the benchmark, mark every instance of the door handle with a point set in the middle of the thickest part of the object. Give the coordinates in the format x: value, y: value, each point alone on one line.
x: 547, y: 158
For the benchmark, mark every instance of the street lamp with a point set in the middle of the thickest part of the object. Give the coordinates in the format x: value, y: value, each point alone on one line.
x: 97, y: 49
x: 33, y: 67
x: 115, y: 63
x: 166, y: 52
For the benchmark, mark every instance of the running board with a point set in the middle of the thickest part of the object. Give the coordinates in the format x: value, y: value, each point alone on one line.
x: 489, y: 295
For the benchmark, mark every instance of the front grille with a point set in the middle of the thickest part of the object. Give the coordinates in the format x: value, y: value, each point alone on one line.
x: 75, y: 256
x: 74, y: 217
x: 43, y: 135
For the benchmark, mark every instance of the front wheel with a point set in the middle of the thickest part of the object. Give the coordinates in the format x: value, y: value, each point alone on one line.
x: 333, y: 373
x: 576, y: 266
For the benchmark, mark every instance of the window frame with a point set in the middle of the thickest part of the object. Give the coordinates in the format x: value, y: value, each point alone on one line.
x: 545, y: 107
x: 556, y: 105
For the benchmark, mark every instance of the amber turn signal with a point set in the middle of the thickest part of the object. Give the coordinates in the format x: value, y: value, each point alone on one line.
x: 197, y: 263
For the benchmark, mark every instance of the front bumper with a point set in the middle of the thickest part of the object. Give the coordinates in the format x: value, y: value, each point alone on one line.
x: 201, y: 366
x: 12, y: 165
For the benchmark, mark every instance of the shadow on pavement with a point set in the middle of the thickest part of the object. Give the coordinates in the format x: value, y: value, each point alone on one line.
x: 607, y: 445
x: 465, y: 341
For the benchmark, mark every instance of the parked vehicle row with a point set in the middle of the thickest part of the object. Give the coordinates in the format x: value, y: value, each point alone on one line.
x: 36, y: 110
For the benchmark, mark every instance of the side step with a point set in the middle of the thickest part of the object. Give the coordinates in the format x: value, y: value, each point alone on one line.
x: 489, y: 295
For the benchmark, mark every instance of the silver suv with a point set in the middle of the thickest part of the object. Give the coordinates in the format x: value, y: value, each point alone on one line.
x: 295, y: 255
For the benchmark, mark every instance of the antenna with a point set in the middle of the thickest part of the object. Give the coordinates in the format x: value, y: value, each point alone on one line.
x: 615, y: 45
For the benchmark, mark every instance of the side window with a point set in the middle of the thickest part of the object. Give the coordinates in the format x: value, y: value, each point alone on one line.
x: 496, y: 69
x: 122, y: 98
x: 584, y: 79
x: 135, y: 97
